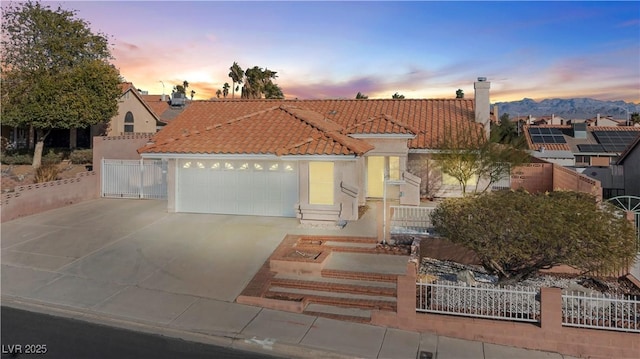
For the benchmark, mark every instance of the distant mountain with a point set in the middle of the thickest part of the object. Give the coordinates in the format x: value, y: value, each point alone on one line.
x: 575, y: 108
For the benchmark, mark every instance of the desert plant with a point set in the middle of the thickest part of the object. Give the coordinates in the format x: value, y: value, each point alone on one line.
x: 46, y: 173
x: 81, y: 156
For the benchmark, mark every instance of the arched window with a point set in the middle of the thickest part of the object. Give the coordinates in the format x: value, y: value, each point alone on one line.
x: 128, y: 122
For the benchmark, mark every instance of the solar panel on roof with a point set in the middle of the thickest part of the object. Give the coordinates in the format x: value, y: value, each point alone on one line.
x: 616, y: 139
x: 590, y: 148
x: 546, y: 135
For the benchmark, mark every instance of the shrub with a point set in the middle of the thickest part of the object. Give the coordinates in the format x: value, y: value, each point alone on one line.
x: 46, y: 173
x: 17, y: 159
x: 52, y: 158
x: 81, y: 156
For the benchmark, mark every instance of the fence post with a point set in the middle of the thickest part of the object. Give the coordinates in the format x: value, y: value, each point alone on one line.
x: 551, y: 308
x: 406, y: 294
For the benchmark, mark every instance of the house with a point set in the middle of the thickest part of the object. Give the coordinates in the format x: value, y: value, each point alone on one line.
x: 135, y: 115
x: 317, y: 160
x: 623, y: 177
x: 579, y: 145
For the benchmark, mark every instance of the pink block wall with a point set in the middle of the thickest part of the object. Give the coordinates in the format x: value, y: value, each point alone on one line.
x: 39, y: 197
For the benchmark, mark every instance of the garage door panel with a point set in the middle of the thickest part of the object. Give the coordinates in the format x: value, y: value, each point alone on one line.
x: 237, y: 187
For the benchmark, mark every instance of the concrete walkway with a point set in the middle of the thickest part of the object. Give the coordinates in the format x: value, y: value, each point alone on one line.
x: 128, y: 263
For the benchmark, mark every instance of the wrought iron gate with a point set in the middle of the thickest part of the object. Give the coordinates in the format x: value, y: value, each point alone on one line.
x: 134, y: 179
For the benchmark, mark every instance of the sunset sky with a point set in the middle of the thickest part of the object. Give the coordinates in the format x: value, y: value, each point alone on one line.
x: 419, y: 49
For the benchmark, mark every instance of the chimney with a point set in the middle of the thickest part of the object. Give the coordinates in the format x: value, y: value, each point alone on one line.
x: 482, y: 104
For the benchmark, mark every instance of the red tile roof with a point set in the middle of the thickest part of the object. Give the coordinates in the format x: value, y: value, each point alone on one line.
x: 156, y: 104
x: 309, y: 126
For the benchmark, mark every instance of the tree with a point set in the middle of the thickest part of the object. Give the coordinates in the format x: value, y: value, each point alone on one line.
x: 193, y: 93
x: 55, y: 72
x: 237, y: 75
x: 218, y: 93
x: 506, y: 132
x: 459, y: 93
x: 635, y: 118
x: 515, y: 233
x: 259, y: 82
x: 397, y: 96
x: 467, y: 155
x: 361, y: 96
x: 225, y: 89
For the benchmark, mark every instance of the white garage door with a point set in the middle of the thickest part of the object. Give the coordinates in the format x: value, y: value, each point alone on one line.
x: 262, y: 188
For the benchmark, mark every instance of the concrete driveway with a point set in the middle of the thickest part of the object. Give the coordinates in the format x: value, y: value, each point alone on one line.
x: 120, y: 246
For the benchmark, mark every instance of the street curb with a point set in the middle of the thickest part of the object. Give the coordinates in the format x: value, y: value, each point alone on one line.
x: 227, y: 340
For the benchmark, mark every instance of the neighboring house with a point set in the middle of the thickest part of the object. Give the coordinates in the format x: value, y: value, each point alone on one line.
x: 317, y: 160
x: 622, y: 178
x: 578, y: 145
x: 134, y: 115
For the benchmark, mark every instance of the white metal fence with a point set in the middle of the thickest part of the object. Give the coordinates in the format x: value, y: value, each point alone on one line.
x: 410, y: 220
x: 134, y: 179
x: 596, y: 310
x: 507, y: 303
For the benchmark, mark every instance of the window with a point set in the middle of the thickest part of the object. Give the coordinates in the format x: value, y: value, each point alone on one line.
x: 321, y: 183
x: 394, y: 168
x: 128, y: 122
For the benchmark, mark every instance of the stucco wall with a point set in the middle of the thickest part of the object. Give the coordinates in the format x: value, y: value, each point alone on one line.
x: 143, y: 120
x: 39, y: 197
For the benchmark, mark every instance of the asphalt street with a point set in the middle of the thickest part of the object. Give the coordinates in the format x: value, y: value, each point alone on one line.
x: 33, y: 335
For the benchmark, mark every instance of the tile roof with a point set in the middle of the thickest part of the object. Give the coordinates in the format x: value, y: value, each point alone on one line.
x: 158, y: 106
x: 309, y: 126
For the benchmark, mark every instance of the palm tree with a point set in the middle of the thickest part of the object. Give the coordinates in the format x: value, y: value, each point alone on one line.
x: 192, y: 94
x: 361, y: 96
x: 218, y: 93
x: 236, y: 75
x: 397, y: 96
x: 225, y: 89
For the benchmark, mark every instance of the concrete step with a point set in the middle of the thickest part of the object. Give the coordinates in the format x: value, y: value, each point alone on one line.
x: 340, y: 313
x: 335, y: 285
x: 335, y: 299
x: 361, y: 276
x: 318, y: 278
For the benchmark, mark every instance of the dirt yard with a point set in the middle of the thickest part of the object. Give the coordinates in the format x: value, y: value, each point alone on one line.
x: 20, y: 175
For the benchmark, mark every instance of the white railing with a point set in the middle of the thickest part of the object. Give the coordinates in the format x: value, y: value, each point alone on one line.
x: 410, y: 219
x: 599, y: 311
x: 484, y: 301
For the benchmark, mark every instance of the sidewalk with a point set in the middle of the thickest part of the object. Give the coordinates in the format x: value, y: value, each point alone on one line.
x: 127, y: 263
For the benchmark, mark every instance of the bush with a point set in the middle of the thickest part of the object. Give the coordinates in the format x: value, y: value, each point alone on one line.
x: 46, y: 173
x: 52, y: 158
x: 81, y: 156
x: 17, y: 159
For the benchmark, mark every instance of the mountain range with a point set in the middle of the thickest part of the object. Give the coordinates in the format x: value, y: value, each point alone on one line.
x: 575, y: 108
